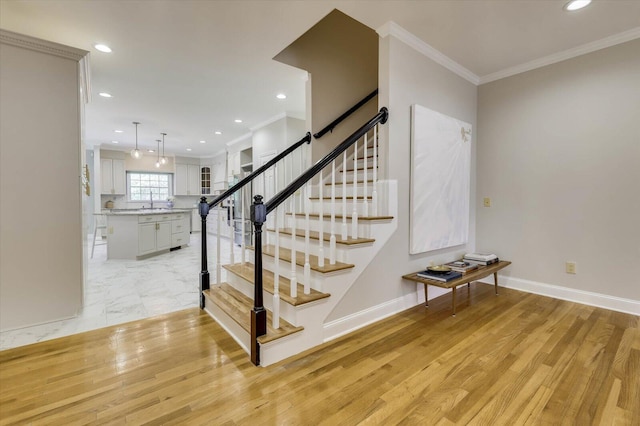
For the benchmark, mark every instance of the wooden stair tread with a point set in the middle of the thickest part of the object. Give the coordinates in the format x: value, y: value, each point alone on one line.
x: 359, y: 169
x: 339, y: 216
x: 348, y: 197
x: 285, y: 254
x: 246, y: 271
x: 238, y: 306
x: 315, y: 235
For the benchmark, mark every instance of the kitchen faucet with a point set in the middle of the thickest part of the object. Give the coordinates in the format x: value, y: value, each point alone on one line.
x: 151, y: 196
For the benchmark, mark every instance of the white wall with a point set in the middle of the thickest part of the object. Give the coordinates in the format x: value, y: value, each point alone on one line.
x: 407, y: 77
x: 559, y: 155
x: 40, y: 190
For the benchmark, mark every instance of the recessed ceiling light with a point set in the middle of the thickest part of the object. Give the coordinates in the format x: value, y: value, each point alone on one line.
x: 576, y: 4
x: 105, y: 94
x: 150, y: 150
x: 188, y: 149
x: 115, y: 142
x: 103, y: 48
x: 237, y: 120
x: 218, y: 132
x: 281, y: 96
x: 118, y: 131
x: 203, y: 141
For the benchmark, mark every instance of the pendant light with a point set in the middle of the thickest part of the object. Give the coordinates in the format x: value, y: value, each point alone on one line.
x: 163, y: 160
x: 158, y: 164
x: 136, y: 153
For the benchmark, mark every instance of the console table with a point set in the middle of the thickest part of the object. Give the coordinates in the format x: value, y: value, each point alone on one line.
x: 478, y: 274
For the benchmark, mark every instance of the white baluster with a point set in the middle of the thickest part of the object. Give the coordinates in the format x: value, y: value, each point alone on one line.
x: 264, y: 194
x: 321, y: 224
x: 242, y: 226
x: 276, y: 275
x: 218, y: 249
x: 374, y: 191
x: 307, y: 246
x: 344, y: 196
x: 364, y: 185
x: 332, y: 239
x: 354, y: 214
x: 294, y: 278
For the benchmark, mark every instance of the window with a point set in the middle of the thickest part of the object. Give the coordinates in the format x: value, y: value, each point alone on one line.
x: 141, y: 185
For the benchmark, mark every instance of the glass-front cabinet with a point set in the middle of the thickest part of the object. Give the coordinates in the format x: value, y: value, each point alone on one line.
x: 205, y: 180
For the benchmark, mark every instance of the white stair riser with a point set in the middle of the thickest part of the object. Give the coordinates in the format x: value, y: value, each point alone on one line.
x: 364, y: 226
x: 233, y: 328
x: 327, y: 190
x: 314, y: 247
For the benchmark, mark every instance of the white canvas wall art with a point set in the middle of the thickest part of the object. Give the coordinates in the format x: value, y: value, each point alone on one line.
x: 440, y: 180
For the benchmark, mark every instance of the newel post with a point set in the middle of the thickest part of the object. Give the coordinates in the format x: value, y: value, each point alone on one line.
x: 203, y: 209
x: 258, y: 314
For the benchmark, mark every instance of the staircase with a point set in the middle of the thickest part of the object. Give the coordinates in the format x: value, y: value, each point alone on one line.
x: 316, y: 244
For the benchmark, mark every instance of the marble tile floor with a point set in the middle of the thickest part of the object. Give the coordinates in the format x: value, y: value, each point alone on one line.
x: 119, y: 291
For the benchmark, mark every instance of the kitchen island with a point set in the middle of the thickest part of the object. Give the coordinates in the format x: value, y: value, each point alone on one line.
x: 142, y: 233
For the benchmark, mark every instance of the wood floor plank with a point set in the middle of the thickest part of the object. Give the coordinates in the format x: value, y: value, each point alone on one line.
x: 512, y: 359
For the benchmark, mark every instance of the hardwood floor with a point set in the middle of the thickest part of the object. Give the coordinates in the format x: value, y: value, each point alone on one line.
x: 513, y: 359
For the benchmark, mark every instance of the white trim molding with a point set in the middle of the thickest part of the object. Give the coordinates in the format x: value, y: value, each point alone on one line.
x: 628, y: 306
x: 391, y: 28
x: 44, y: 46
x: 350, y: 323
x: 564, y: 55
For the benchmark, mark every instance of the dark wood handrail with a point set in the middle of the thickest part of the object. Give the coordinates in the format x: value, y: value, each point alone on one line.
x: 258, y: 171
x: 334, y: 123
x: 380, y: 117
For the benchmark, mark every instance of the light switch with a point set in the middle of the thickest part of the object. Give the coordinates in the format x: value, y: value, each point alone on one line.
x: 487, y: 202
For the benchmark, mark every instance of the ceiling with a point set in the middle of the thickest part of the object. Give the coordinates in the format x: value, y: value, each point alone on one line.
x: 190, y: 68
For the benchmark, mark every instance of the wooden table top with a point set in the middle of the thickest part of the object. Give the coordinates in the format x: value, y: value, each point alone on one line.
x: 477, y: 274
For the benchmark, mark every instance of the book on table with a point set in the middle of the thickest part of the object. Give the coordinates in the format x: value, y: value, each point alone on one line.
x: 482, y: 262
x: 446, y: 277
x: 462, y: 266
x: 481, y: 257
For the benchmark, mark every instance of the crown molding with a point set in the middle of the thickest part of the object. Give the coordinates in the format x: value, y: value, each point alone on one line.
x: 391, y: 28
x: 564, y: 55
x: 43, y: 46
x: 239, y: 139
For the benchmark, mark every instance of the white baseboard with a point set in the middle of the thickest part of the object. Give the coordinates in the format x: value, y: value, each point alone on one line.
x: 345, y: 325
x: 628, y: 306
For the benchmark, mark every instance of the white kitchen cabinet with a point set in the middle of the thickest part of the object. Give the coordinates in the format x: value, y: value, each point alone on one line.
x: 234, y: 164
x: 187, y: 179
x: 146, y: 238
x: 132, y: 235
x: 154, y: 233
x: 112, y: 176
x: 180, y: 225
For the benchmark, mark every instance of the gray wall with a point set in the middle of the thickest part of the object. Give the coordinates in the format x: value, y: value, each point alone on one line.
x: 559, y: 155
x: 41, y: 241
x: 407, y: 77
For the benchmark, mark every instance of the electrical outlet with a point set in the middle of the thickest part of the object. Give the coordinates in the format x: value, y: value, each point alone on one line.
x: 570, y: 267
x: 487, y: 202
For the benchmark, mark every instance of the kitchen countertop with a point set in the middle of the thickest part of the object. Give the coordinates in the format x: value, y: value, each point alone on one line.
x: 138, y: 212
